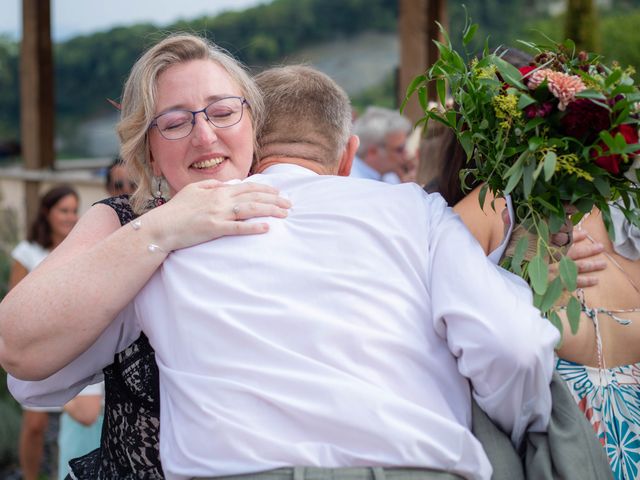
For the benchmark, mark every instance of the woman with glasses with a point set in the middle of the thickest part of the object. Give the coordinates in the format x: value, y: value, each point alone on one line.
x: 188, y: 121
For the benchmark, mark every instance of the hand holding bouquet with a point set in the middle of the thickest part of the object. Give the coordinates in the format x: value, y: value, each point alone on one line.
x: 558, y: 134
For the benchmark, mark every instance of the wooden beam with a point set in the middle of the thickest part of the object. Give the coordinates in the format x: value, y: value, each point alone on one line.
x: 417, y: 30
x: 36, y: 94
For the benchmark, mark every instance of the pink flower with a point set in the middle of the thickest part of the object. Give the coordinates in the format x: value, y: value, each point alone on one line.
x: 564, y: 87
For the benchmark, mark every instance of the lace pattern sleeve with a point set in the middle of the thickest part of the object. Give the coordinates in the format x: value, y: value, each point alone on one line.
x: 121, y: 206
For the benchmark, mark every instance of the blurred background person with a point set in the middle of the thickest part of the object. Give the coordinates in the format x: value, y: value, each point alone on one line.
x: 80, y: 426
x: 57, y: 214
x: 382, y: 154
x: 118, y: 181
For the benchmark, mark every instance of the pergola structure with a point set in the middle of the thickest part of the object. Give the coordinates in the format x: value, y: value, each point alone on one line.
x: 36, y: 95
x: 416, y: 29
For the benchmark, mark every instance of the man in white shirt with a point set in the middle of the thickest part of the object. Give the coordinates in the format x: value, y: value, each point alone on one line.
x: 353, y: 334
x: 382, y: 153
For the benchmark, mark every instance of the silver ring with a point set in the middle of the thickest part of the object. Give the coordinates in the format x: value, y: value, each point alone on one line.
x: 236, y: 210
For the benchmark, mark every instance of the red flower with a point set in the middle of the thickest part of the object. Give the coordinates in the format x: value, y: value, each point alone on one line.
x: 611, y: 163
x: 584, y: 120
x: 524, y: 71
x: 538, y: 110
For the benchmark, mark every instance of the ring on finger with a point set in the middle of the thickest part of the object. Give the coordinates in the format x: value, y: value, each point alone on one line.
x: 236, y: 211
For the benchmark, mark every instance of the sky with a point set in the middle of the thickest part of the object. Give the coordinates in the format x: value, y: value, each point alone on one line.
x: 77, y: 17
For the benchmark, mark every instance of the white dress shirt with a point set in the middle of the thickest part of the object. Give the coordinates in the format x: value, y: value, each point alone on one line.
x: 346, y: 336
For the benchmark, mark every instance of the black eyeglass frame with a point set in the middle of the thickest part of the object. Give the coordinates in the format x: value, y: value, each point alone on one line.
x: 243, y: 102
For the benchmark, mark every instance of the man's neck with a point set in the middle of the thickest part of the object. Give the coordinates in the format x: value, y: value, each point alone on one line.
x: 301, y: 162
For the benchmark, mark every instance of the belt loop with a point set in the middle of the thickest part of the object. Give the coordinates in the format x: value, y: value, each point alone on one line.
x: 378, y: 473
x: 298, y: 473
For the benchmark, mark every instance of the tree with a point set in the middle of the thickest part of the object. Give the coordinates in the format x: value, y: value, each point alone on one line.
x: 581, y: 24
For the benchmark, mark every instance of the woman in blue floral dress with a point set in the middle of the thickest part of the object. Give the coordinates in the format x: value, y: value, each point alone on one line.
x: 601, y: 361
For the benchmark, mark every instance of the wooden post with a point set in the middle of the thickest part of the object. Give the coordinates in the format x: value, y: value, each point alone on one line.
x: 417, y: 30
x: 36, y: 95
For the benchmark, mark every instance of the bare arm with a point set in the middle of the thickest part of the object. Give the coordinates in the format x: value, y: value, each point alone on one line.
x: 18, y: 272
x: 84, y: 409
x: 59, y: 309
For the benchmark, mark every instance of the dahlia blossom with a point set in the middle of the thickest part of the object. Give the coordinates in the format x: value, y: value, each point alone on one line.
x: 564, y: 87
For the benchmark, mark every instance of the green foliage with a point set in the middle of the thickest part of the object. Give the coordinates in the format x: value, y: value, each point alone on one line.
x: 9, y: 96
x: 496, y: 16
x: 562, y: 131
x: 9, y: 425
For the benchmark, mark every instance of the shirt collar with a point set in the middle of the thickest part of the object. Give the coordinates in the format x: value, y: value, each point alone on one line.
x: 288, y: 168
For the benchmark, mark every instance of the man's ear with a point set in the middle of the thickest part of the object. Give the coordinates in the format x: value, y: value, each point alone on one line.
x: 344, y: 168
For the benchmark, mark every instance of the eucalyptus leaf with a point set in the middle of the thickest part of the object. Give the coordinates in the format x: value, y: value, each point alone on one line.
x: 552, y: 295
x: 518, y: 254
x: 527, y: 178
x: 573, y: 314
x: 538, y: 274
x: 550, y: 161
x: 534, y: 143
x: 568, y: 273
x: 555, y: 222
x: 543, y: 231
x: 602, y: 185
x: 554, y: 318
x: 513, y: 180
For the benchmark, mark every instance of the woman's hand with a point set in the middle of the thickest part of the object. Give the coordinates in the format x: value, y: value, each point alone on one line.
x: 210, y: 209
x: 585, y: 254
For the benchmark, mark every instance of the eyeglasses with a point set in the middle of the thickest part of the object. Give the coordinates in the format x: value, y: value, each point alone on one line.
x: 177, y: 124
x: 120, y: 185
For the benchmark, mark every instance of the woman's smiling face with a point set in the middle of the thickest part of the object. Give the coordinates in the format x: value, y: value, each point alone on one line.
x: 208, y: 151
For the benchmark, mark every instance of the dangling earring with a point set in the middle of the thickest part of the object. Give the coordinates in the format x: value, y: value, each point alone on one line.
x: 158, y: 198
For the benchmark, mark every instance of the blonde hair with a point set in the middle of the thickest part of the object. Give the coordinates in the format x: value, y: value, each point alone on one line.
x: 139, y: 102
x: 308, y: 114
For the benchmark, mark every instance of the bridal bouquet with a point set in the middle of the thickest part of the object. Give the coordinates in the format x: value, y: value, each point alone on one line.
x: 561, y: 131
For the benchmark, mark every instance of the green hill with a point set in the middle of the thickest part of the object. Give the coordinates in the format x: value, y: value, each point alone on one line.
x: 352, y: 40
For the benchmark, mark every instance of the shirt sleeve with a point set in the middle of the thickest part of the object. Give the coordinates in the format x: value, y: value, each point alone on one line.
x: 85, y: 370
x: 29, y: 255
x: 502, y: 343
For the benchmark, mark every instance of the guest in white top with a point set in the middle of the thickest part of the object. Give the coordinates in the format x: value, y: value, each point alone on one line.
x: 382, y: 152
x: 352, y: 334
x: 57, y: 214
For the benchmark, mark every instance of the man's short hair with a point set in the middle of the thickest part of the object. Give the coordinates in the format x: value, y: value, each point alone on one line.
x: 308, y: 115
x: 375, y: 124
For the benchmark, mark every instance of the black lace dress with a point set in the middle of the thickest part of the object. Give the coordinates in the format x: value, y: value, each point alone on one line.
x: 129, y: 444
